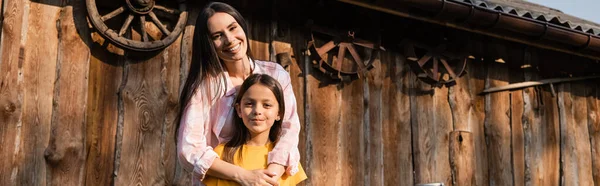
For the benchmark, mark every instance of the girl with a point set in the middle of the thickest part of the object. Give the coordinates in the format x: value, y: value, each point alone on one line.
x: 220, y: 63
x: 259, y: 105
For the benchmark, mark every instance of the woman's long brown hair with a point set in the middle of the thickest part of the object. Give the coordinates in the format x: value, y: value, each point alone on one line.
x: 241, y: 134
x: 206, y: 67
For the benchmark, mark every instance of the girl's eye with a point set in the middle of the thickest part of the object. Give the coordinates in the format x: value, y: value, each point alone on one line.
x: 248, y: 103
x: 232, y: 28
x: 268, y: 105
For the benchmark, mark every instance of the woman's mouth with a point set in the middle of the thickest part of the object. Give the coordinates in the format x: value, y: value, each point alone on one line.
x: 234, y: 48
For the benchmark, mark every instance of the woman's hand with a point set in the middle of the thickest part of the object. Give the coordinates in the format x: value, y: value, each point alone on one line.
x: 258, y: 177
x: 277, y: 169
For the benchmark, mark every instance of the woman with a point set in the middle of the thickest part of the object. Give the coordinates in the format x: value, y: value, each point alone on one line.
x: 220, y: 63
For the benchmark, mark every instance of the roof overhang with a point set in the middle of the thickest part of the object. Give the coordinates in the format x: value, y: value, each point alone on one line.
x: 508, y: 24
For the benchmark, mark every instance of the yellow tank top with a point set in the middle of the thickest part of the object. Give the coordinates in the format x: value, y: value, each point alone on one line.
x: 254, y: 157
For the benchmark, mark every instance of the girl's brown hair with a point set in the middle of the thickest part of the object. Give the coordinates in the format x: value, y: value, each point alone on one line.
x: 241, y: 134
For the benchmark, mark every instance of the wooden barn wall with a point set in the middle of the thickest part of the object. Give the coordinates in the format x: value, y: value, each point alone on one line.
x: 77, y: 111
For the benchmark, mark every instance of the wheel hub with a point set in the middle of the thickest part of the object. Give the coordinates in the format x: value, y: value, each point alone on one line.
x: 140, y: 6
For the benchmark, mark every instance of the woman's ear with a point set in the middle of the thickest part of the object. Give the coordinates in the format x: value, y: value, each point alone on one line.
x: 237, y: 110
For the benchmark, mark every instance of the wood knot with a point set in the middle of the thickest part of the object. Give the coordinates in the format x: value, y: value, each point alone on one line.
x: 10, y: 108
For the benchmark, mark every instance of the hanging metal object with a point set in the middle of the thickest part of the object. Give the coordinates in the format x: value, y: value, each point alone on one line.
x: 329, y: 57
x: 140, y: 16
x: 435, y: 65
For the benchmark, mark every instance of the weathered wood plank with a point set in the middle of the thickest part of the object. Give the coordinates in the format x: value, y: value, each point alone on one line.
x: 170, y: 67
x: 293, y: 42
x: 144, y: 99
x: 351, y: 134
x: 476, y: 74
x: 183, y: 177
x: 462, y: 156
x: 431, y: 126
x: 574, y: 137
x: 593, y: 102
x: 497, y: 126
x: 324, y: 117
x: 102, y: 113
x: 397, y: 142
x: 66, y: 151
x: 260, y: 37
x: 515, y: 60
x: 540, y: 128
x: 39, y: 74
x: 11, y: 90
x: 373, y: 121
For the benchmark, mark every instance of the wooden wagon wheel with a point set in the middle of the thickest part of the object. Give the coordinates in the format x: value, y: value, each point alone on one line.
x: 139, y: 11
x: 435, y: 66
x: 338, y: 46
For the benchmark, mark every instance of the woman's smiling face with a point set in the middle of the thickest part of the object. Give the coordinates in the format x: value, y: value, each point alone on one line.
x: 228, y: 37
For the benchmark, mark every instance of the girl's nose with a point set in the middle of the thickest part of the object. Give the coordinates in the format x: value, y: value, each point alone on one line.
x: 228, y: 38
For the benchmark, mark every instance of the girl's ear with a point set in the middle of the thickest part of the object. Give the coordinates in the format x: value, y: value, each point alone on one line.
x: 237, y: 110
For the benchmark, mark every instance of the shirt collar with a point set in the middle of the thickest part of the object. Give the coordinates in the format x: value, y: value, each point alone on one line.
x: 230, y: 89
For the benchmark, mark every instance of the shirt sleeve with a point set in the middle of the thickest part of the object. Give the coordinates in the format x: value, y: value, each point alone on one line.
x: 286, y: 151
x: 194, y: 153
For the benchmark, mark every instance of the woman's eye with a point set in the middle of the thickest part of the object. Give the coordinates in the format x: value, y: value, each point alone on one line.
x: 232, y: 28
x: 216, y: 36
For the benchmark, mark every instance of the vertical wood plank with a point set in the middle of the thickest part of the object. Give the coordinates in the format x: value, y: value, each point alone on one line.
x: 515, y: 61
x: 11, y: 90
x: 396, y: 126
x: 39, y: 74
x: 106, y: 71
x: 351, y: 133
x: 497, y: 126
x: 374, y: 121
x: 183, y: 177
x: 462, y: 155
x: 477, y: 73
x: 292, y: 42
x: 431, y: 126
x: 540, y: 128
x: 260, y: 37
x: 593, y: 101
x: 66, y: 150
x: 170, y: 67
x: 574, y: 137
x: 144, y: 99
x: 323, y: 107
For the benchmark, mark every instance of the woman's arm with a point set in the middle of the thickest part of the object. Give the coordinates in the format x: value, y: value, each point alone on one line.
x: 192, y: 145
x: 285, y: 153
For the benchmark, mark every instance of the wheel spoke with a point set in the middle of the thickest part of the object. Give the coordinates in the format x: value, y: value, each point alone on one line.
x: 340, y: 57
x: 143, y: 28
x: 424, y: 59
x: 435, y: 70
x: 114, y: 13
x: 157, y: 22
x: 167, y: 10
x: 126, y: 25
x: 450, y: 71
x: 358, y: 60
x: 325, y: 48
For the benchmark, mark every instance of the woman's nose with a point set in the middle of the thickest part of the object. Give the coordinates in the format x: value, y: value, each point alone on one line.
x: 228, y: 38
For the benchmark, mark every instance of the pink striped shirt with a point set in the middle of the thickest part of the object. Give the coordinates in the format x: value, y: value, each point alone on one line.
x: 207, y: 123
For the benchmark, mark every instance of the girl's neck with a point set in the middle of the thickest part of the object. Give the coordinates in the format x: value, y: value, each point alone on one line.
x: 238, y: 69
x: 258, y: 139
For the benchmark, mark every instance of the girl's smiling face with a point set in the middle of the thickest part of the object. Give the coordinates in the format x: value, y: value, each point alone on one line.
x: 228, y: 37
x: 258, y: 109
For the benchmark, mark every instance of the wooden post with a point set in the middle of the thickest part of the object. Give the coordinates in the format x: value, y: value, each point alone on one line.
x: 593, y: 102
x: 462, y: 158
